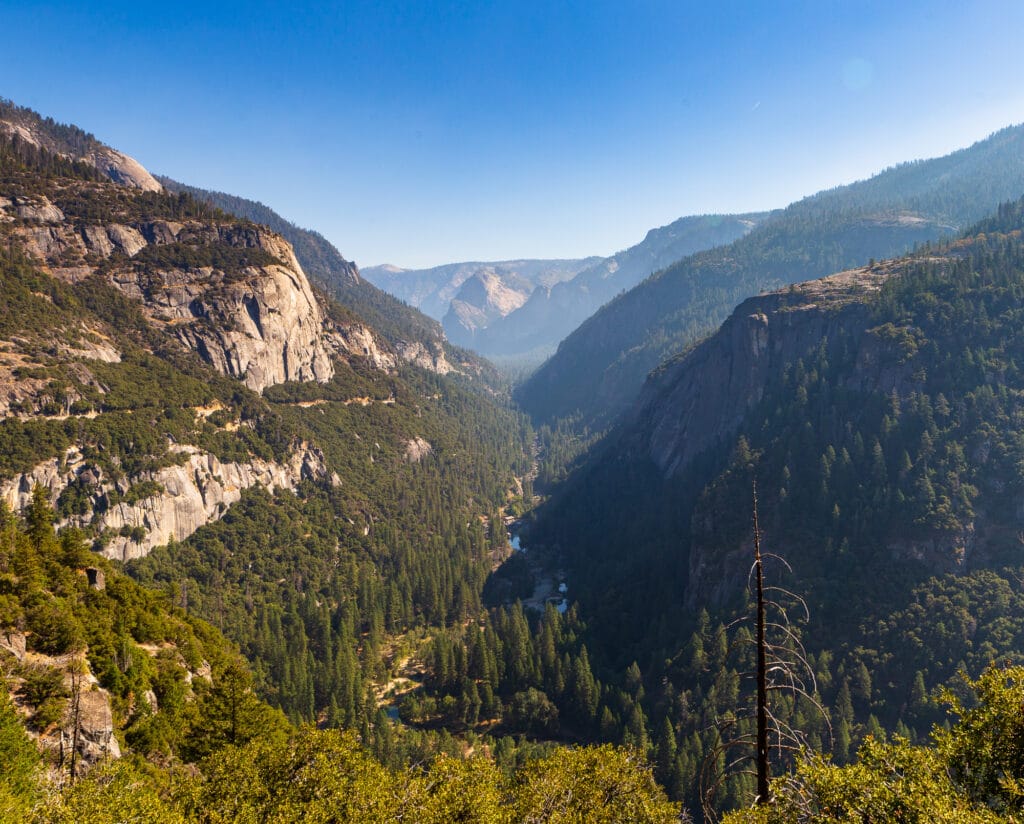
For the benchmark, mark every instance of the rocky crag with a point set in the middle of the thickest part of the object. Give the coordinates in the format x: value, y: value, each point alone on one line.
x: 72, y: 142
x: 204, y: 284
x: 175, y: 502
x: 701, y: 399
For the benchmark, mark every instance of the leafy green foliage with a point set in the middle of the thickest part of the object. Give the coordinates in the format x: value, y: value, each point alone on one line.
x: 21, y: 780
x: 133, y: 640
x: 971, y: 773
x: 117, y: 793
x: 326, y: 776
x: 598, y: 784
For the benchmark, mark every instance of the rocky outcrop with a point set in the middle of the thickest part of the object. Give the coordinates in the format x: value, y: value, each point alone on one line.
x: 27, y: 397
x: 105, y: 240
x: 262, y: 325
x: 694, y: 402
x: 117, y: 166
x: 94, y: 736
x: 35, y: 209
x: 122, y: 169
x: 185, y: 496
x: 13, y: 642
x: 358, y: 341
x: 84, y: 735
x: 53, y: 475
x: 196, y: 493
x: 432, y: 359
x: 417, y: 449
x: 91, y: 345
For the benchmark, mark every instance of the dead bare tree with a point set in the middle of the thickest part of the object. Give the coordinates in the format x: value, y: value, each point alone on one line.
x: 753, y: 738
x: 76, y: 721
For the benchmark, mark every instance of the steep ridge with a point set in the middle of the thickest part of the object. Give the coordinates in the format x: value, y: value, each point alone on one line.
x: 70, y: 141
x: 552, y: 312
x: 469, y: 298
x: 234, y: 294
x: 878, y: 411
x: 114, y: 301
x: 414, y: 337
x: 751, y: 378
x: 320, y: 260
x: 695, y: 401
x: 119, y: 279
x: 601, y: 366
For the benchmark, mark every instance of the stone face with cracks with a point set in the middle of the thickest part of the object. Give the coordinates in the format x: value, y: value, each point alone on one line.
x: 700, y: 399
x: 262, y: 324
x: 194, y: 493
x: 263, y: 327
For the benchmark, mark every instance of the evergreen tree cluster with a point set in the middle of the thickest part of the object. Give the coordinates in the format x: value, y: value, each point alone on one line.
x: 889, y: 463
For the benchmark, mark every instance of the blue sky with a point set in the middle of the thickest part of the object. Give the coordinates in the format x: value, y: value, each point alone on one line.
x: 423, y: 133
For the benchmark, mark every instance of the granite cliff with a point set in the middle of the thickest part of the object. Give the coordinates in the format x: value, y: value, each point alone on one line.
x: 701, y: 399
x: 174, y: 501
x: 235, y: 294
x: 413, y: 337
x: 111, y: 271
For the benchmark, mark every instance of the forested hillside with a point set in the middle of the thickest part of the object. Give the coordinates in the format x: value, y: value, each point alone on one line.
x: 878, y: 414
x: 175, y: 392
x: 107, y: 690
x: 598, y: 370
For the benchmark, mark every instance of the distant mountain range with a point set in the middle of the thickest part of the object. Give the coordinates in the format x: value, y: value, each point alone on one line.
x: 553, y: 312
x: 599, y: 368
x: 523, y: 308
x: 469, y: 297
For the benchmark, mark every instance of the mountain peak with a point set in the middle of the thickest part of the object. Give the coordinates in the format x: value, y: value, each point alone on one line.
x: 76, y: 144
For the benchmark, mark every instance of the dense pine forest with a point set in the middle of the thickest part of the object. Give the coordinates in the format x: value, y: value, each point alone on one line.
x: 887, y: 460
x: 293, y: 609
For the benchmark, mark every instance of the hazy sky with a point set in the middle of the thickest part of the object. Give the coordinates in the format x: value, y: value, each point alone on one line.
x: 423, y: 133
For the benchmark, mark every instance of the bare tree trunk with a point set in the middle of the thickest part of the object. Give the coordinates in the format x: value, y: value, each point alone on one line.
x: 76, y: 688
x: 762, y: 669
